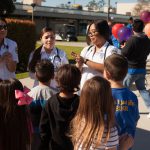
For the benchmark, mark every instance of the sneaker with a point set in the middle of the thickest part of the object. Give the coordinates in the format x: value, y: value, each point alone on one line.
x: 148, y: 116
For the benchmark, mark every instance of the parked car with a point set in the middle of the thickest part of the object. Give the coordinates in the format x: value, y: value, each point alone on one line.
x: 66, y: 32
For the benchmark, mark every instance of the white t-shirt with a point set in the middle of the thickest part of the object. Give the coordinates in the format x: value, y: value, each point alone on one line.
x: 98, y: 57
x: 57, y: 57
x: 40, y: 92
x: 8, y: 46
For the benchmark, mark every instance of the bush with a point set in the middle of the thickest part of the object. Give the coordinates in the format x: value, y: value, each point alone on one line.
x: 24, y: 33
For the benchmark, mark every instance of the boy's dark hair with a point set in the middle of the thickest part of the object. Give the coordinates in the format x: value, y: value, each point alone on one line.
x: 138, y: 25
x: 44, y: 70
x: 117, y: 66
x: 68, y: 78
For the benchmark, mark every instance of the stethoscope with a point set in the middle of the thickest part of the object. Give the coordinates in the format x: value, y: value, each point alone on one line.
x: 56, y: 60
x: 89, y: 51
x: 56, y: 57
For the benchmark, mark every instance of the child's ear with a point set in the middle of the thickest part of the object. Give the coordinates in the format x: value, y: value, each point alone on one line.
x: 106, y: 74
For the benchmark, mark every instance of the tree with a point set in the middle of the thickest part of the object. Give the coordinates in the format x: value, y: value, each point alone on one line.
x: 95, y: 5
x: 141, y: 5
x: 6, y: 7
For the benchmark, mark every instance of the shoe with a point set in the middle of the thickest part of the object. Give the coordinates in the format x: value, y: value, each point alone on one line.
x: 148, y: 116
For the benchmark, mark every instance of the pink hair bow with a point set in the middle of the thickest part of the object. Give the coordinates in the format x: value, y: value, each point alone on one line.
x: 23, y: 97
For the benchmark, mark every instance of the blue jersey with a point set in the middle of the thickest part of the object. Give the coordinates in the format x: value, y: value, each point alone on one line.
x: 127, y: 112
x: 129, y: 26
x: 115, y: 41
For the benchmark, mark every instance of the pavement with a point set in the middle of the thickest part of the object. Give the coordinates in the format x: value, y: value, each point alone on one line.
x: 142, y: 137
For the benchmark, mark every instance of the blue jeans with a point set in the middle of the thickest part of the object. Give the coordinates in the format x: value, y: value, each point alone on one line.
x: 139, y: 80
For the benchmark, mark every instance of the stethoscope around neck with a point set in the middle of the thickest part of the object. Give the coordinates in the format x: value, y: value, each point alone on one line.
x: 56, y: 57
x: 56, y: 60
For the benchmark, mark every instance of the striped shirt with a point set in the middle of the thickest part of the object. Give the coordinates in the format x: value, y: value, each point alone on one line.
x: 112, y: 142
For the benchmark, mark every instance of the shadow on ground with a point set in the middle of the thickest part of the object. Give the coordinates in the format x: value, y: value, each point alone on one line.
x: 142, y: 140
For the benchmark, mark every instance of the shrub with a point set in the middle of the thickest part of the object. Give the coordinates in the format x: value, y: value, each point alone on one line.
x: 24, y: 33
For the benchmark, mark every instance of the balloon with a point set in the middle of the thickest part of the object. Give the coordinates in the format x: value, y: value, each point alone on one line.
x: 124, y: 34
x: 145, y: 16
x: 115, y: 29
x: 147, y: 29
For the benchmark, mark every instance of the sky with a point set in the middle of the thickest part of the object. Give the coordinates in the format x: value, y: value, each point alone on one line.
x: 54, y: 3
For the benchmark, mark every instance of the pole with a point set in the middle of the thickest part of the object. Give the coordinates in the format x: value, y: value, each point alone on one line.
x: 33, y: 5
x: 108, y: 12
x: 32, y: 14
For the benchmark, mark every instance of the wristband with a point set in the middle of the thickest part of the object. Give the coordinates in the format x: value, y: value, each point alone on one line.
x: 86, y: 60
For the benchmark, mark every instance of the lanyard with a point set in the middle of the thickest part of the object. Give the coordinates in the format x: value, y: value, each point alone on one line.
x: 105, y: 51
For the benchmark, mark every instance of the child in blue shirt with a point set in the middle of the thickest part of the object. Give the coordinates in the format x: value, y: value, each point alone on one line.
x: 127, y: 112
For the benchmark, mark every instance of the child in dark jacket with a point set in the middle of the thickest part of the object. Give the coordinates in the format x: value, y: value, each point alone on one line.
x: 60, y: 110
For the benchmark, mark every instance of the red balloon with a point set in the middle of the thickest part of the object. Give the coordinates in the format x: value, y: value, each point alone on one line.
x: 145, y: 16
x: 116, y: 28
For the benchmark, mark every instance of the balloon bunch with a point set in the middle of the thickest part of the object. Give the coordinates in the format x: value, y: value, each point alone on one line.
x: 121, y: 32
x: 145, y: 16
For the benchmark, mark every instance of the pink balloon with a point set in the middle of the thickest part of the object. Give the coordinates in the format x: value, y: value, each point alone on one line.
x: 145, y: 16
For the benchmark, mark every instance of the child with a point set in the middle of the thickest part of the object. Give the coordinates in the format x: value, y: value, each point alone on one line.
x: 59, y: 110
x: 44, y: 72
x: 93, y: 125
x: 127, y: 113
x: 15, y: 129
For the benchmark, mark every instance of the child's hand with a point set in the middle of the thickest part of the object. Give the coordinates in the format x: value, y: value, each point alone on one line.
x: 126, y: 141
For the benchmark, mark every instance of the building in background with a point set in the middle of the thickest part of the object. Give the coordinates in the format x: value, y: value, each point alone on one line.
x: 129, y: 8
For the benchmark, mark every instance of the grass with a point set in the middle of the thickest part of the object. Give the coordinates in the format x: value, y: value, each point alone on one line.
x: 67, y: 49
x: 81, y: 38
x: 22, y: 75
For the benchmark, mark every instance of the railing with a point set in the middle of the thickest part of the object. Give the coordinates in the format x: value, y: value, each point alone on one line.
x: 67, y: 11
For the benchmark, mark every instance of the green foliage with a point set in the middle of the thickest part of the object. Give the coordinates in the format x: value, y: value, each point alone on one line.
x: 24, y: 33
x: 94, y: 5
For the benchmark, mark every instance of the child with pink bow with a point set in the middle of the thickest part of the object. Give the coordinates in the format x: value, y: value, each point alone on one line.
x: 15, y: 124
